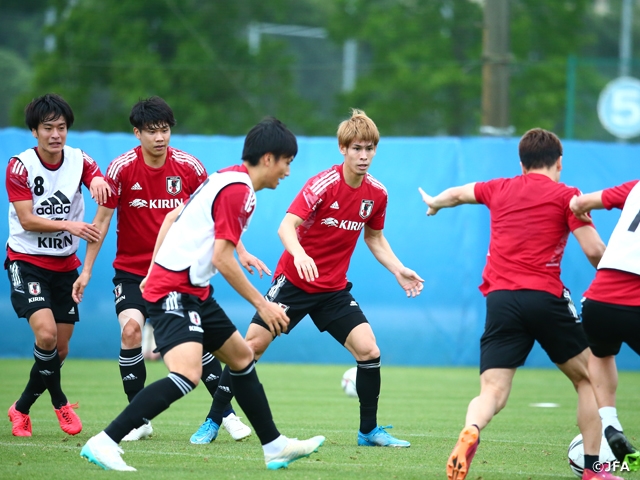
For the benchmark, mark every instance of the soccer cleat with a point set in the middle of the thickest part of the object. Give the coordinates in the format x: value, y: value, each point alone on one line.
x: 143, y: 431
x: 622, y: 449
x: 69, y: 421
x: 295, y: 450
x: 235, y: 427
x: 105, y: 453
x: 460, y: 459
x: 378, y: 437
x: 207, y: 433
x: 20, y: 422
x: 591, y: 475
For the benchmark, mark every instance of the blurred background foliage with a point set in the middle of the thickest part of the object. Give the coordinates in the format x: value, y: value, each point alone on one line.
x: 418, y: 67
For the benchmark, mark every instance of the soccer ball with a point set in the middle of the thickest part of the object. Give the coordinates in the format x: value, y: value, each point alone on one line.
x: 576, y: 454
x: 349, y: 382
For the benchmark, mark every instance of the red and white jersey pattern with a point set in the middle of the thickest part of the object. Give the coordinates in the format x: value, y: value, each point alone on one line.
x: 618, y: 277
x: 333, y: 215
x: 143, y: 196
x: 221, y: 209
x: 56, y: 195
x: 530, y: 225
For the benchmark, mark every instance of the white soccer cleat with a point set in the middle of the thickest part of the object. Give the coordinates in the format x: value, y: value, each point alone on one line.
x: 294, y: 450
x: 235, y: 427
x: 105, y: 453
x: 144, y: 431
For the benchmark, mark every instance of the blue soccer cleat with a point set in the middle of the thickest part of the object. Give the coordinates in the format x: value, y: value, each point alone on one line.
x: 378, y: 437
x: 207, y: 433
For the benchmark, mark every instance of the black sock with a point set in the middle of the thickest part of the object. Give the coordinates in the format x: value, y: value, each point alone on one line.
x: 589, y: 460
x: 253, y: 401
x: 368, y: 388
x: 35, y: 387
x: 222, y: 397
x: 48, y: 364
x: 149, y: 403
x: 132, y: 371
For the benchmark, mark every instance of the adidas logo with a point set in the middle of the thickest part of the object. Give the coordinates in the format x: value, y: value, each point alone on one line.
x: 353, y: 303
x: 335, y: 205
x: 46, y: 372
x: 57, y: 204
x: 131, y: 376
x: 136, y: 186
x: 224, y: 388
x: 72, y: 311
x: 211, y: 378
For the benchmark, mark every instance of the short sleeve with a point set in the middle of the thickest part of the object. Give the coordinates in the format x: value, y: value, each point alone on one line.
x: 616, y: 197
x: 377, y: 220
x: 483, y: 191
x: 573, y: 221
x: 306, y: 201
x: 232, y: 209
x: 90, y: 170
x: 17, y: 181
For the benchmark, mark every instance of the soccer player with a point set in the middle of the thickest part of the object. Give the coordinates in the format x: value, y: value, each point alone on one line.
x: 526, y: 300
x: 146, y: 183
x: 611, y: 308
x: 319, y: 233
x: 45, y: 228
x: 194, y: 243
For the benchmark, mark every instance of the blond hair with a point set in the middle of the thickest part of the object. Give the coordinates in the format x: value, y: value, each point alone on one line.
x: 358, y: 126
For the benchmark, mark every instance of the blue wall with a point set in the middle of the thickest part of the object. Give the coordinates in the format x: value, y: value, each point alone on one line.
x: 441, y: 327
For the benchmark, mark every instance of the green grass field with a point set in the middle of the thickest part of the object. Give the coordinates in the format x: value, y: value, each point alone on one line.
x: 426, y: 406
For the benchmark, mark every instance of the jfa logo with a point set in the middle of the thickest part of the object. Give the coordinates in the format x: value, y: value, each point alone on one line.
x: 118, y: 290
x: 365, y: 208
x: 195, y: 318
x: 174, y: 185
x: 34, y: 288
x: 615, y: 466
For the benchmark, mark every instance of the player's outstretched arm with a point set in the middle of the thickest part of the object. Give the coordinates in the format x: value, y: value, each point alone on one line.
x: 581, y: 205
x: 591, y: 243
x: 248, y: 261
x: 409, y: 280
x: 102, y: 220
x: 451, y: 197
x: 305, y: 265
x: 224, y: 260
x: 100, y: 190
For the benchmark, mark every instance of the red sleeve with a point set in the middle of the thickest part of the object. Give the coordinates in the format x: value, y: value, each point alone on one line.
x: 573, y: 221
x: 615, y: 197
x: 306, y: 201
x: 90, y: 170
x: 232, y: 209
x: 113, y: 180
x: 377, y: 221
x: 17, y: 182
x: 483, y: 191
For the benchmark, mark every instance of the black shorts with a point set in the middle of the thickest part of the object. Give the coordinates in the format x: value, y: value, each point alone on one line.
x: 515, y: 319
x: 179, y: 318
x: 335, y: 312
x: 127, y: 292
x: 608, y: 325
x: 34, y: 288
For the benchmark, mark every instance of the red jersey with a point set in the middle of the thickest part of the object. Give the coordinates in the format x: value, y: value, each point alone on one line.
x: 19, y: 188
x: 221, y: 209
x: 615, y: 286
x: 143, y: 196
x: 530, y: 225
x: 334, y: 214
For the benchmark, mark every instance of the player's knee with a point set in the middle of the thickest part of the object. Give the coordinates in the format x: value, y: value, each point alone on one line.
x: 257, y: 346
x: 368, y: 352
x: 63, y: 351
x: 131, y: 334
x: 47, y: 340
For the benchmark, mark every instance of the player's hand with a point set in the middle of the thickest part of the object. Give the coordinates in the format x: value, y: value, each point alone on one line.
x: 428, y: 199
x: 410, y: 282
x: 275, y: 317
x: 306, y: 267
x: 77, y: 292
x: 100, y: 190
x: 247, y: 261
x: 578, y: 211
x: 143, y: 283
x: 85, y: 231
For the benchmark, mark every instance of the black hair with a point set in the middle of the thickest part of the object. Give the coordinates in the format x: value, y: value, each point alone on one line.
x: 539, y: 148
x: 151, y: 112
x: 269, y: 136
x: 47, y: 108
